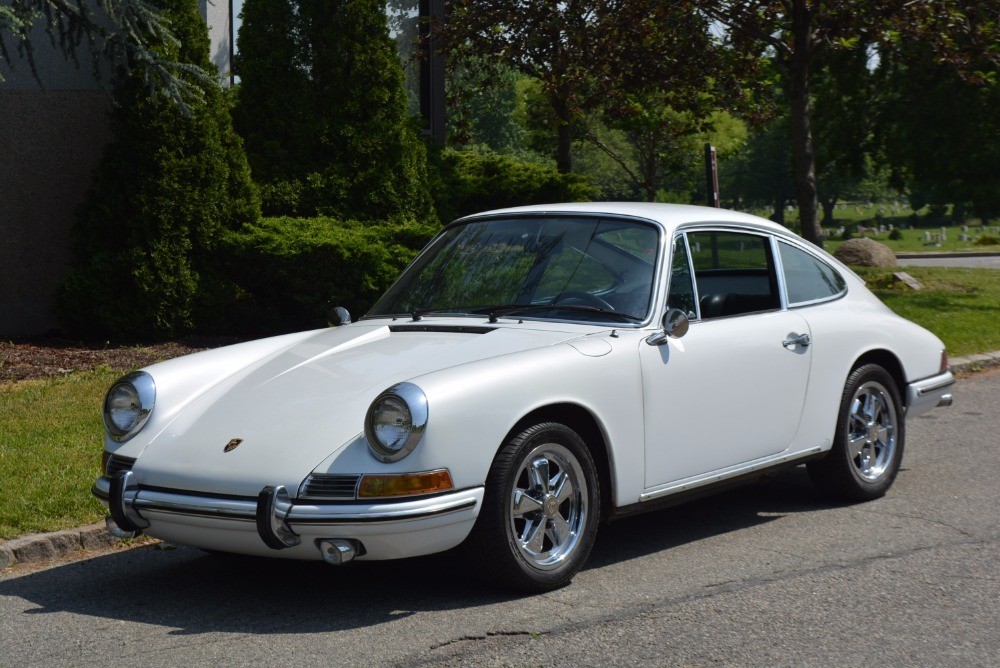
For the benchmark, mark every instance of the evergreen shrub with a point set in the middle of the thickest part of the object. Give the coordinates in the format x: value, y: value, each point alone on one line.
x: 322, y: 109
x: 465, y: 182
x: 165, y: 189
x: 291, y: 271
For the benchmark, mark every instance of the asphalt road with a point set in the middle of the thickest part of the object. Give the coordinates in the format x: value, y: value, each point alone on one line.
x: 770, y: 574
x: 988, y: 262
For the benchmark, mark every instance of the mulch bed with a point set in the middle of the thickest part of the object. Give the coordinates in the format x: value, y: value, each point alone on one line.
x: 51, y: 358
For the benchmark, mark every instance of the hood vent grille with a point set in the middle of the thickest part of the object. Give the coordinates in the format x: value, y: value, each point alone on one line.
x: 451, y: 329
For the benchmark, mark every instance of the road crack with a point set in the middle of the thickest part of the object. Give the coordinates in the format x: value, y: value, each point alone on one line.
x: 487, y: 636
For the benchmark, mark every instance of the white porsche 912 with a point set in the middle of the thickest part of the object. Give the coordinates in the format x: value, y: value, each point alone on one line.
x: 533, y: 373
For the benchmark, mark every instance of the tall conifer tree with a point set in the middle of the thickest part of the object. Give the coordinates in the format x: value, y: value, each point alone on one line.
x: 165, y: 190
x: 323, y: 111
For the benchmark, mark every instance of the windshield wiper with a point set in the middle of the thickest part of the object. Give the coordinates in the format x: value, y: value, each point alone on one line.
x: 498, y: 311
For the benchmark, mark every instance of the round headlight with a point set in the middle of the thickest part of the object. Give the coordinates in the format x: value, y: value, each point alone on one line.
x: 396, y: 421
x: 127, y: 405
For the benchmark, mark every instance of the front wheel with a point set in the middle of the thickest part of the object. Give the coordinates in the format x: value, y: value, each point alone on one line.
x: 868, y: 444
x: 540, y: 511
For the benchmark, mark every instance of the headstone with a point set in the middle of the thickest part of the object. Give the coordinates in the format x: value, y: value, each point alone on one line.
x: 908, y: 280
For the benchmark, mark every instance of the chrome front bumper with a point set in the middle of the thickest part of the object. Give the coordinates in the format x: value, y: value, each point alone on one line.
x: 924, y: 395
x: 278, y: 521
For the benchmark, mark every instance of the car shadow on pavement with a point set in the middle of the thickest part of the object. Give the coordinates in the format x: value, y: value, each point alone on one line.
x: 781, y: 493
x: 191, y: 592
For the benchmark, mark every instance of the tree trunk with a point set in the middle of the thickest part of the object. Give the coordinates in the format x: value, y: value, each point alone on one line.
x: 828, y: 206
x: 803, y: 153
x: 779, y: 210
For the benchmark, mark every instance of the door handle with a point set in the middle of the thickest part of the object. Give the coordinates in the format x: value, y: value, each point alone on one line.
x: 800, y: 340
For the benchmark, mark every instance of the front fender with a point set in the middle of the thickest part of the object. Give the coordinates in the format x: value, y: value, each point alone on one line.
x: 474, y: 406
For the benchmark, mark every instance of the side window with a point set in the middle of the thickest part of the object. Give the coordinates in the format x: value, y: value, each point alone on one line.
x: 734, y: 272
x: 807, y: 278
x: 681, y: 289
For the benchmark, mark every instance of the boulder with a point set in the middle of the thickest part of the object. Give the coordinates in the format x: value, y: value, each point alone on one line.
x: 865, y: 253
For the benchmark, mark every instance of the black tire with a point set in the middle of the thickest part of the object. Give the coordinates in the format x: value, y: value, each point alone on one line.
x: 868, y: 444
x: 540, y: 510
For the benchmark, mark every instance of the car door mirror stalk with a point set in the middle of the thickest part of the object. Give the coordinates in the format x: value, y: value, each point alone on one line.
x: 674, y: 325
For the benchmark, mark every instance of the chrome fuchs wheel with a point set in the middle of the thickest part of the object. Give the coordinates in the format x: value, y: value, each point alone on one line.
x: 868, y: 444
x: 540, y: 511
x: 548, y: 506
x: 871, y: 438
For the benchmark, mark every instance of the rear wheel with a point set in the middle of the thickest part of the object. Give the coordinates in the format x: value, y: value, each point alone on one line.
x: 540, y: 511
x: 868, y: 444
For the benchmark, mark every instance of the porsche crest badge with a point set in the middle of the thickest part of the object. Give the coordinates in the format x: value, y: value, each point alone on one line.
x: 232, y: 445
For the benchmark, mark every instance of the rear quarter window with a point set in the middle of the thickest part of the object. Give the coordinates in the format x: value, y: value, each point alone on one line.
x: 807, y: 278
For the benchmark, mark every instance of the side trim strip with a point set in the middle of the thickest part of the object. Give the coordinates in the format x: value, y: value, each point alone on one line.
x: 678, y: 487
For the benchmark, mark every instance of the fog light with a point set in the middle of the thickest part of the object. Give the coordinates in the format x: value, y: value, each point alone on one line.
x: 337, y: 551
x: 404, y: 484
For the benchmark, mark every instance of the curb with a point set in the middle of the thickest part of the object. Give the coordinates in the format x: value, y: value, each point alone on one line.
x: 944, y: 254
x: 973, y: 363
x: 43, y: 547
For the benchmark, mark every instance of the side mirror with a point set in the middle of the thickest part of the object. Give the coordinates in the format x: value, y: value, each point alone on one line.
x: 338, y: 316
x: 674, y: 325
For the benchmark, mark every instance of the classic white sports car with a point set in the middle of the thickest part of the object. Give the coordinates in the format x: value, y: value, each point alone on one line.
x: 533, y: 373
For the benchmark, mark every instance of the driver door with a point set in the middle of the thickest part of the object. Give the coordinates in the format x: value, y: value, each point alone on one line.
x: 731, y: 391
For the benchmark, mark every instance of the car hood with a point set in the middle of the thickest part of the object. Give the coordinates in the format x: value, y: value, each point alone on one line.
x: 294, y: 409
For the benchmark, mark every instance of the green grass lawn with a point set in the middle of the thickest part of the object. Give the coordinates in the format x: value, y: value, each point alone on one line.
x: 51, y: 438
x: 961, y: 306
x: 51, y: 432
x: 913, y: 241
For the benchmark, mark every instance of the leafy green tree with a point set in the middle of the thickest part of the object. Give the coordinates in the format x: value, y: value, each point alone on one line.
x: 484, y: 115
x: 165, y: 190
x: 340, y: 141
x: 845, y: 102
x: 760, y: 173
x: 660, y: 139
x: 942, y: 133
x: 798, y: 32
x: 587, y: 53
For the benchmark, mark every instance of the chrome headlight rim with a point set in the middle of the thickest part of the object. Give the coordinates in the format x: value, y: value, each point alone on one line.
x: 142, y: 384
x: 415, y: 402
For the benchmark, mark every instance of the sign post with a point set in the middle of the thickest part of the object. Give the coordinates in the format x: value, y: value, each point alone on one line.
x: 712, y: 176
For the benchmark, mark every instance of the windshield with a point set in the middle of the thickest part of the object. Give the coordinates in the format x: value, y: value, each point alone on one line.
x: 557, y: 267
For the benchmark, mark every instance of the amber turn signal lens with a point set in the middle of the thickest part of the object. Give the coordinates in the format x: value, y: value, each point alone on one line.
x: 105, y: 458
x: 404, y: 484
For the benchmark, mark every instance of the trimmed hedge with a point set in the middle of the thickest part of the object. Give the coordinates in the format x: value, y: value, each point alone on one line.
x: 465, y: 182
x: 289, y: 272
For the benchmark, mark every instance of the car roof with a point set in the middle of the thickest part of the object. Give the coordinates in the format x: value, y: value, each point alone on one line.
x: 668, y: 215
